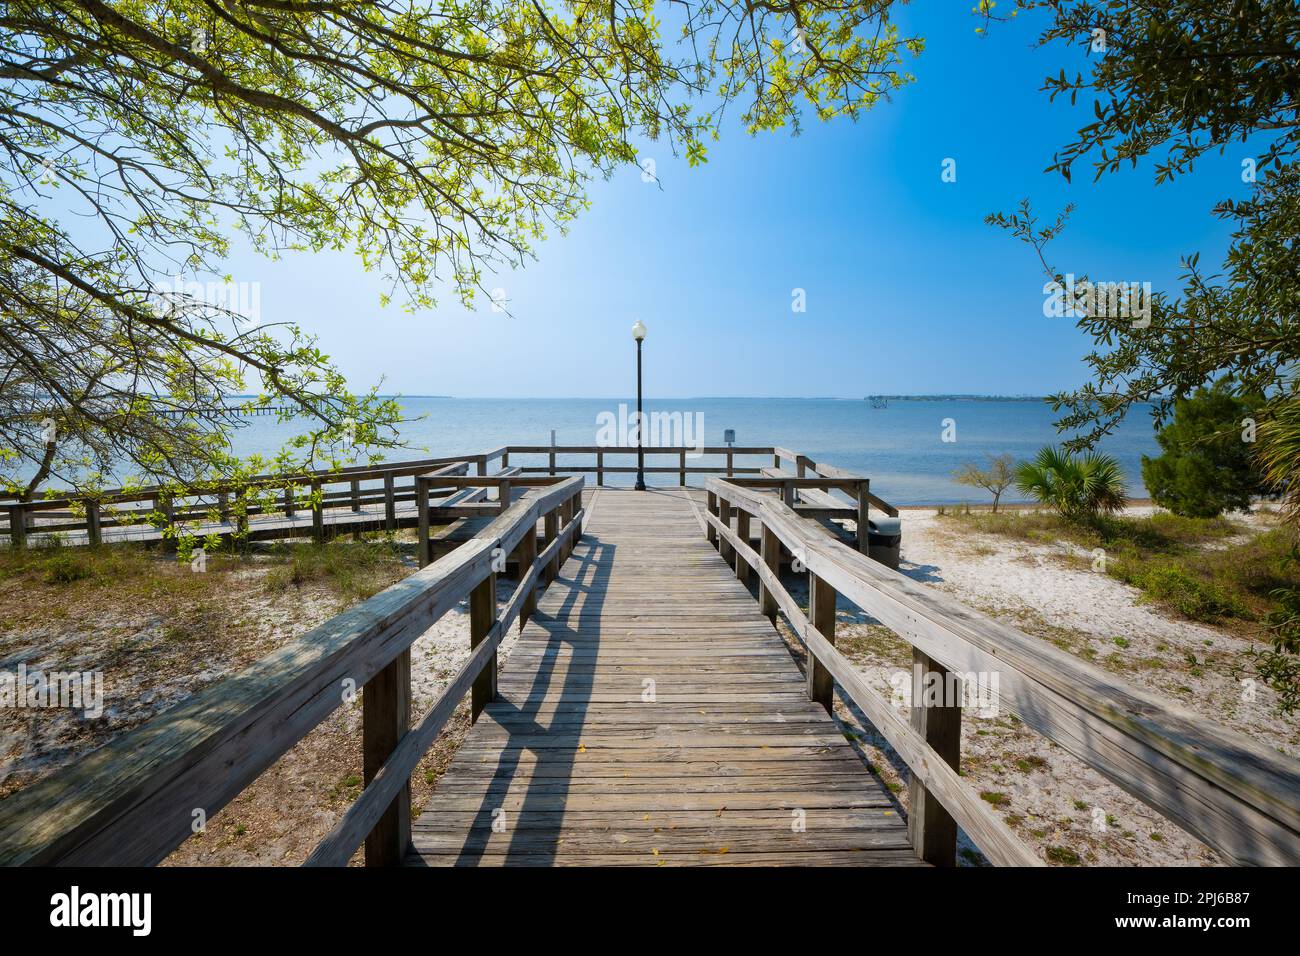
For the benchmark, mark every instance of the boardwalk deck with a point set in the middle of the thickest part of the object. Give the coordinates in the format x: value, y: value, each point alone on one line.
x: 650, y: 715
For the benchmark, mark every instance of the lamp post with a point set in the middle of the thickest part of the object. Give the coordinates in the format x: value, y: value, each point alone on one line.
x: 638, y: 333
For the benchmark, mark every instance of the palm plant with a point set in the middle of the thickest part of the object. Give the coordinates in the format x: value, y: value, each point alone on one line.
x: 1279, y: 452
x: 1078, y: 487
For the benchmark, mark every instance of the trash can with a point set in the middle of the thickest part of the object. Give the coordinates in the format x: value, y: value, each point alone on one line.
x: 884, y: 540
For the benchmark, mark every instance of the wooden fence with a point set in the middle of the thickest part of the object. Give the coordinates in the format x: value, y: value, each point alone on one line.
x: 134, y: 800
x: 271, y: 506
x: 1241, y: 798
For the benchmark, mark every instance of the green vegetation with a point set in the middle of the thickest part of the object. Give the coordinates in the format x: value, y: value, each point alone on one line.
x: 352, y: 570
x: 1207, y: 466
x: 1078, y: 487
x: 995, y: 479
x: 438, y: 142
x: 1180, y: 78
x: 1189, y: 565
x: 1160, y: 531
x: 1199, y: 568
x: 1279, y: 662
x: 1062, y: 855
x: 1279, y: 453
x: 123, y: 566
x: 996, y: 798
x: 1179, y: 588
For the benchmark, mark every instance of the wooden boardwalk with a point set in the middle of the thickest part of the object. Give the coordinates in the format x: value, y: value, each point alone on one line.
x: 650, y: 715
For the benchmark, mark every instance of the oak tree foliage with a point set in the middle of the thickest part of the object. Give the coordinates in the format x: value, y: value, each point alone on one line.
x: 437, y: 141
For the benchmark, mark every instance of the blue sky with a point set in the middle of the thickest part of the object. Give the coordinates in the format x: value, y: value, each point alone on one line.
x: 908, y: 291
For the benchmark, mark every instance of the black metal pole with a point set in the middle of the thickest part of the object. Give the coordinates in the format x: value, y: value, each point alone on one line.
x: 640, y: 425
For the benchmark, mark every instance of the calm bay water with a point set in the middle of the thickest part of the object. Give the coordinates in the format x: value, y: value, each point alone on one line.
x: 900, y: 448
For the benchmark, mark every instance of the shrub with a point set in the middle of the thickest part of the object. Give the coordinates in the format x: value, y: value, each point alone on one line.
x: 1279, y: 452
x: 995, y: 479
x: 65, y: 567
x: 1206, y: 467
x: 1078, y: 487
x: 1174, y: 586
x: 1062, y: 855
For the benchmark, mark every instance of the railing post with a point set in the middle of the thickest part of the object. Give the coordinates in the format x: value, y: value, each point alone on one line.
x: 552, y: 462
x: 288, y: 501
x: 422, y: 511
x: 710, y: 532
x: 566, y: 515
x: 386, y: 716
x: 18, y: 526
x: 821, y: 615
x: 682, y: 467
x: 317, y: 513
x: 600, y: 468
x: 355, y: 499
x: 787, y: 493
x: 772, y: 558
x: 390, y: 503
x: 505, y: 460
x: 864, y: 524
x: 503, y: 495
x: 482, y: 616
x: 731, y: 459
x: 550, y: 530
x: 93, y: 527
x: 931, y: 828
x: 223, y: 505
x: 724, y: 515
x: 527, y: 556
x: 742, y: 532
x: 480, y: 465
x: 577, y: 532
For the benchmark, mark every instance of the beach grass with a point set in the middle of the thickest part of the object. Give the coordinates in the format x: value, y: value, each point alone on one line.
x: 122, y: 573
x: 354, y: 571
x: 1205, y: 569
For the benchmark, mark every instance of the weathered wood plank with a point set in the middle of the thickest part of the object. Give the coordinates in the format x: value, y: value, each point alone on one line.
x: 648, y: 685
x: 386, y: 715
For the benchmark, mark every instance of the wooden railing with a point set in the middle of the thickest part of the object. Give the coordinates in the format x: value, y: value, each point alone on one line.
x: 1240, y: 798
x: 683, y: 455
x: 333, y: 491
x: 319, y: 491
x: 136, y: 799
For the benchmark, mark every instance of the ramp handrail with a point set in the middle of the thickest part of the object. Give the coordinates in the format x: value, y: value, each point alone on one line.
x: 1239, y: 797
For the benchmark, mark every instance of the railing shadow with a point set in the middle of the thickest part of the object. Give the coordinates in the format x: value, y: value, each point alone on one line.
x: 552, y: 771
x: 921, y: 573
